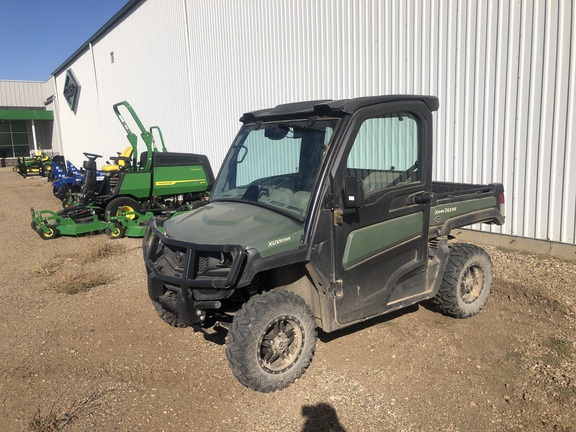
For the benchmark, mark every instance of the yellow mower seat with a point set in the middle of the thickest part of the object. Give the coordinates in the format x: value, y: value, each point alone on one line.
x: 122, y: 161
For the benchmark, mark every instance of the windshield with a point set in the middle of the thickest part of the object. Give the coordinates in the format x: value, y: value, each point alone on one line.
x: 275, y: 165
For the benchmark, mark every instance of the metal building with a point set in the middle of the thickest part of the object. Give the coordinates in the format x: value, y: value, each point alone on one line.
x: 504, y: 70
x: 25, y: 123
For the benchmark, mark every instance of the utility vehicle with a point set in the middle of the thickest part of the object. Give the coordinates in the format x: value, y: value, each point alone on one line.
x: 323, y: 214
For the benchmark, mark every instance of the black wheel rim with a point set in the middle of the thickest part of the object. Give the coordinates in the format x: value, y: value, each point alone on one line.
x: 281, y: 344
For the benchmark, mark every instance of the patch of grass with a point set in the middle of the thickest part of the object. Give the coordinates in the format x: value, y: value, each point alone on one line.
x: 516, y: 357
x: 516, y: 251
x: 565, y: 394
x: 82, y: 282
x: 559, y: 349
x: 48, y: 268
x: 61, y: 416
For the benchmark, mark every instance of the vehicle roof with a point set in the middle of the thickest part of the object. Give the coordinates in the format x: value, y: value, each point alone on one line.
x: 329, y: 107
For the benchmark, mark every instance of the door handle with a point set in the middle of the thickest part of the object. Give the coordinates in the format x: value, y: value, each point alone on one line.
x: 421, y: 198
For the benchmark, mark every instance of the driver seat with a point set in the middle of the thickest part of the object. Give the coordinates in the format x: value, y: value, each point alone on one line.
x: 122, y: 161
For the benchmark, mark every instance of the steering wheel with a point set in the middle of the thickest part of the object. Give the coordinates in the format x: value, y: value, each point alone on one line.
x: 263, y: 191
x: 92, y: 156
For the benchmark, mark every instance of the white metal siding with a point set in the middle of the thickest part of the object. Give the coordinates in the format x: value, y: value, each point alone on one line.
x: 24, y: 94
x: 504, y: 70
x: 149, y: 71
x: 80, y: 131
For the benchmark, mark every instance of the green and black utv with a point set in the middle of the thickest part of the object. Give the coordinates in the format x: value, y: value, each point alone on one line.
x: 324, y: 214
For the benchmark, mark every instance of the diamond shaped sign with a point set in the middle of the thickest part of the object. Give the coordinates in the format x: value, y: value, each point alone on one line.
x: 71, y: 90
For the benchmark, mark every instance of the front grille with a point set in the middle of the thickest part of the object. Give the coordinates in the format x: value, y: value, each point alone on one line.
x: 113, y: 182
x: 202, y: 265
x: 176, y: 256
x: 188, y: 264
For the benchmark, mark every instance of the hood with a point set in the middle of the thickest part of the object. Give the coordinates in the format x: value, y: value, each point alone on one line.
x: 232, y: 223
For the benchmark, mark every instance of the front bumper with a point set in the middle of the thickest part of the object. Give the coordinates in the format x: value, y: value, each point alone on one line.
x: 189, y: 264
x: 199, y: 275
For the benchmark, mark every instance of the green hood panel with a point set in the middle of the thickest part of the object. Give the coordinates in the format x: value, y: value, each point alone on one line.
x: 241, y: 224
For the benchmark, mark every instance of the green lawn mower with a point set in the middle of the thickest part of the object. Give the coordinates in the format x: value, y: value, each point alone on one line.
x: 155, y: 184
x: 39, y: 164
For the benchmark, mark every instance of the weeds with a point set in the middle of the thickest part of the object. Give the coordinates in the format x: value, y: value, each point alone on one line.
x: 82, y: 282
x: 100, y: 251
x: 72, y: 277
x: 49, y: 268
x: 516, y: 357
x: 559, y: 350
x: 61, y: 416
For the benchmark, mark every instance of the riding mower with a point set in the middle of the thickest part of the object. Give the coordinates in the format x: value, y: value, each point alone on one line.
x: 70, y: 182
x: 157, y: 184
x: 40, y: 164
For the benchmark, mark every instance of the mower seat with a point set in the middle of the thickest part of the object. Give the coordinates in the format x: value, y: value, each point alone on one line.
x: 122, y: 161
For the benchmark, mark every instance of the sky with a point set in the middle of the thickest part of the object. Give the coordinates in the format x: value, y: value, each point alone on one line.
x: 37, y: 36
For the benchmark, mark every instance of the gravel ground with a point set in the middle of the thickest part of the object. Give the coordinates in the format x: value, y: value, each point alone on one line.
x: 81, y: 349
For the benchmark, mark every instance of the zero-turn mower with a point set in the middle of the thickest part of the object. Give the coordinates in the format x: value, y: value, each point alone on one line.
x: 40, y: 164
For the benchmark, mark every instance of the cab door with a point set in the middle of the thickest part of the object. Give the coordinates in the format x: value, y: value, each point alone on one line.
x: 380, y: 244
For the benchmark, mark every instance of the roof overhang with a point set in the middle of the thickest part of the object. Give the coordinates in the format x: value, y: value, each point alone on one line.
x: 26, y: 115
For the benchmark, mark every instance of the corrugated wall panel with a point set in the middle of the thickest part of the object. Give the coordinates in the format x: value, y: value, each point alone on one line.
x: 503, y: 70
x: 559, y: 181
x: 80, y: 131
x: 148, y: 69
x: 21, y: 94
x: 568, y: 230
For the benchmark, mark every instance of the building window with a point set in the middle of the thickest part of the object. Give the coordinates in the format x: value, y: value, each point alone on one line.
x: 14, y: 139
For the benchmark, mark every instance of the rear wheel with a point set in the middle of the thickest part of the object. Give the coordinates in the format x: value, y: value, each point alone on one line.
x: 466, y: 283
x: 271, y: 341
x: 123, y: 204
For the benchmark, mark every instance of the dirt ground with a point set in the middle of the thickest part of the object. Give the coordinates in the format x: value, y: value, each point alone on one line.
x: 82, y: 349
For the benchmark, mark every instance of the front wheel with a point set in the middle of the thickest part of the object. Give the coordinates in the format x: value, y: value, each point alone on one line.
x: 51, y: 233
x: 271, y: 341
x: 168, y: 316
x: 115, y: 230
x: 63, y: 192
x: 466, y: 283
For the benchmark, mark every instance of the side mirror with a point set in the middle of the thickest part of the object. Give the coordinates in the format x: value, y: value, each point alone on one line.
x: 353, y: 192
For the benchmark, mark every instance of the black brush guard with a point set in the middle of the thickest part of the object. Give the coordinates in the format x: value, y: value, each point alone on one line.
x: 194, y: 291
